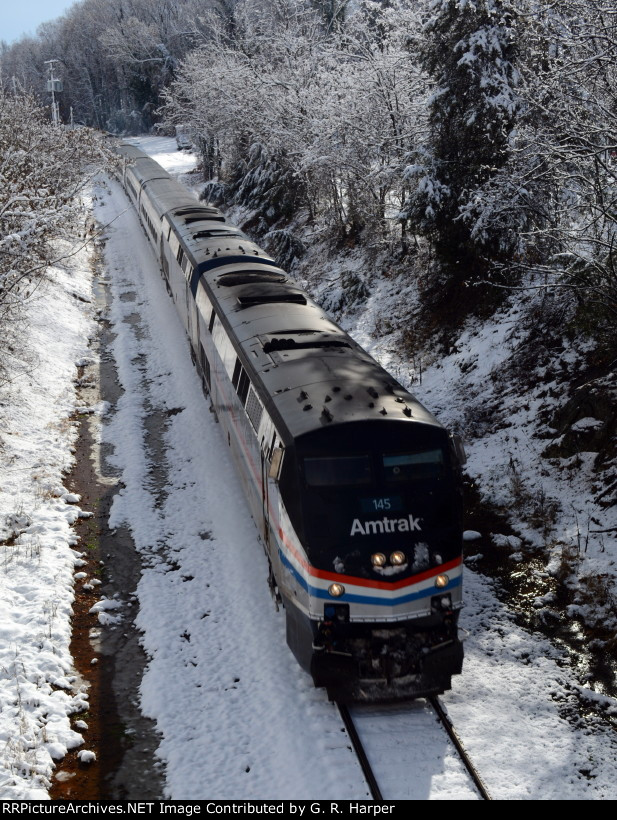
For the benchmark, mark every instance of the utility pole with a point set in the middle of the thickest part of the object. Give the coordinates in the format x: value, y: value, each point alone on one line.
x: 54, y: 85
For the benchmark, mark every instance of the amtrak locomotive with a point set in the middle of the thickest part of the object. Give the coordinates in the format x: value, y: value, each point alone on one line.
x: 354, y: 485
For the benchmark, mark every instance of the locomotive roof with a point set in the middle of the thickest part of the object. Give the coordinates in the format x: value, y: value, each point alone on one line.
x: 313, y: 373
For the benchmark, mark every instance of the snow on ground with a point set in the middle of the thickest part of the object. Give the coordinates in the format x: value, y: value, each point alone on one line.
x: 38, y: 687
x: 508, y: 454
x: 237, y: 716
x: 516, y: 709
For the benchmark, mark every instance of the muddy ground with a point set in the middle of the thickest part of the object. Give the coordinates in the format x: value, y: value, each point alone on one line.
x: 110, y: 657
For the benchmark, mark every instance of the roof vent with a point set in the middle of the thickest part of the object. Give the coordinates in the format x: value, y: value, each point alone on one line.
x: 249, y: 277
x: 291, y: 344
x: 272, y: 298
x: 206, y: 216
x: 213, y: 232
x: 196, y: 210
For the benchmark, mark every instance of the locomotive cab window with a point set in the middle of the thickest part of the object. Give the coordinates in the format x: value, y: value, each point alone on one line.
x: 425, y: 464
x: 338, y: 471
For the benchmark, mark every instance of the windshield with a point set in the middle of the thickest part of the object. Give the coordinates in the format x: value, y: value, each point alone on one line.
x: 338, y: 471
x: 374, y: 487
x: 413, y: 466
x: 357, y: 470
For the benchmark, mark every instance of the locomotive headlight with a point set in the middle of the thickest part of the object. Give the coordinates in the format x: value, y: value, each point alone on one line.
x: 441, y: 581
x: 378, y: 559
x: 397, y: 558
x: 336, y: 590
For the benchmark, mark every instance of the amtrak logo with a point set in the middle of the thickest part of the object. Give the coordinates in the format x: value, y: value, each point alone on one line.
x: 408, y: 524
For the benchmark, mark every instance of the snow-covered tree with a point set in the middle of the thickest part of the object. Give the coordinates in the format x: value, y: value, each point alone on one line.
x: 114, y: 56
x: 469, y: 51
x: 42, y: 168
x: 570, y: 145
x: 331, y: 111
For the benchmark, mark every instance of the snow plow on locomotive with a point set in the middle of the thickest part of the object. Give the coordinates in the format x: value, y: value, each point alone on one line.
x: 354, y: 486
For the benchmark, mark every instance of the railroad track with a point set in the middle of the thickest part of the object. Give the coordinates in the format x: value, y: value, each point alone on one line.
x: 365, y: 765
x: 379, y: 732
x: 465, y: 759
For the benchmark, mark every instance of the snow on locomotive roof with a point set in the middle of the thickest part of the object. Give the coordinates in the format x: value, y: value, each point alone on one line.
x: 313, y: 372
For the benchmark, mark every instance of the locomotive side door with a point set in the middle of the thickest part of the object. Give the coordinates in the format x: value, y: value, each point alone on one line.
x: 265, y: 500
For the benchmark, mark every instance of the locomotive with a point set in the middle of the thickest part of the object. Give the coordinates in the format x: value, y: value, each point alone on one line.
x: 354, y: 486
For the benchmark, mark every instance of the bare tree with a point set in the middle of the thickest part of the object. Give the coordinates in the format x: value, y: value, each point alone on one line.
x: 42, y: 169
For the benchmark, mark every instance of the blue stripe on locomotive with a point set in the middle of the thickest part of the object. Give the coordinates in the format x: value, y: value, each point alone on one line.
x: 316, y: 592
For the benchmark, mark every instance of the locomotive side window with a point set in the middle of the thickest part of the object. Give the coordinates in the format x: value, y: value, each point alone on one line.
x: 173, y: 243
x: 410, y: 466
x: 337, y: 471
